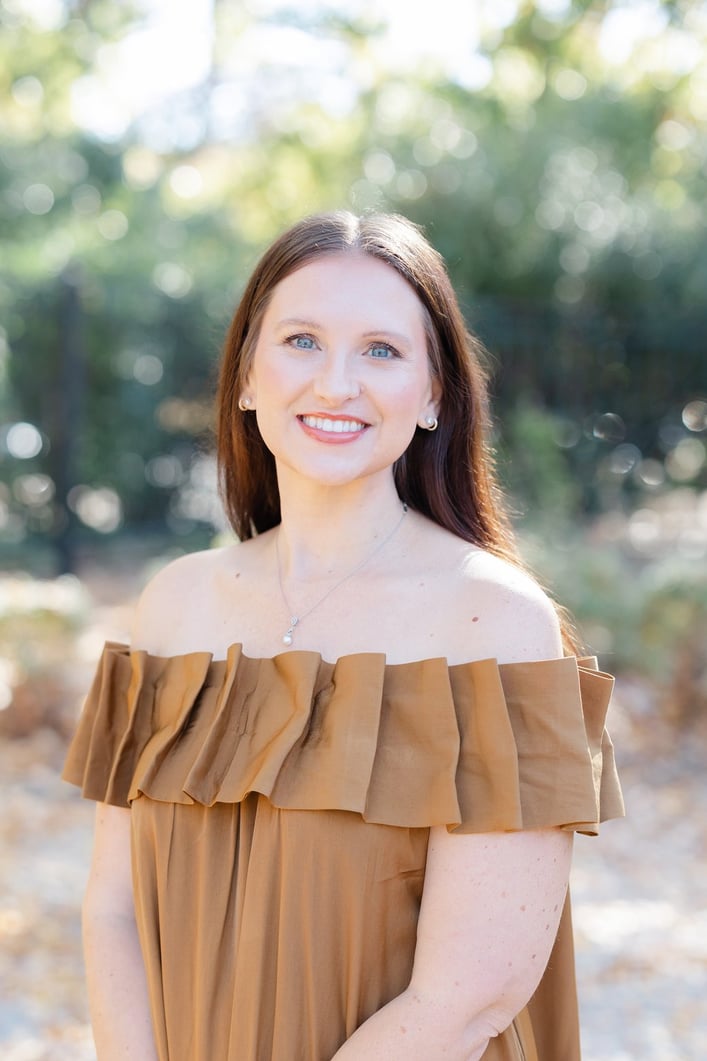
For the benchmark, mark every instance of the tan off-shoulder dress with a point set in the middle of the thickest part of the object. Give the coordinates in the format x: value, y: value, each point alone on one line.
x: 280, y: 816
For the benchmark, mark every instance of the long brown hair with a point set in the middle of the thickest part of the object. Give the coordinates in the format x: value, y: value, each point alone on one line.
x: 447, y: 475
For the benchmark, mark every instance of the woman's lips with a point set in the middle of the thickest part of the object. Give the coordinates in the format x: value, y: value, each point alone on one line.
x: 332, y: 428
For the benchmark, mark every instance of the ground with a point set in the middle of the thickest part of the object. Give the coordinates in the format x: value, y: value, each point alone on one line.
x: 639, y: 897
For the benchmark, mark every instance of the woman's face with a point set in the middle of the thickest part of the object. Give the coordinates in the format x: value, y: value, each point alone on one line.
x: 340, y: 376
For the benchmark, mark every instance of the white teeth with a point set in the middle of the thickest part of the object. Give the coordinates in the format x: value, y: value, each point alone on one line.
x: 338, y: 427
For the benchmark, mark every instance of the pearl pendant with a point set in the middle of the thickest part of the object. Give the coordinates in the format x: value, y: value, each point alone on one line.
x: 287, y: 636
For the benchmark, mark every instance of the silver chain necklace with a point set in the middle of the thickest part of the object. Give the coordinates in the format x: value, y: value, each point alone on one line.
x: 295, y: 620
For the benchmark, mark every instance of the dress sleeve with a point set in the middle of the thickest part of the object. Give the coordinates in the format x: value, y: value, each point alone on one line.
x: 535, y: 748
x: 476, y: 747
x: 135, y: 701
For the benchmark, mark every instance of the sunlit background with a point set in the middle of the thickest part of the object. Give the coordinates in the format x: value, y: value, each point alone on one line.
x: 556, y: 153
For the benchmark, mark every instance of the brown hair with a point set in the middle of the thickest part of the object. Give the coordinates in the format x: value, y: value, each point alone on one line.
x: 447, y: 475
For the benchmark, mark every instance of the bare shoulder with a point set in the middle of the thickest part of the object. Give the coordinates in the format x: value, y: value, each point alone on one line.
x: 517, y: 619
x: 178, y: 600
x: 484, y: 607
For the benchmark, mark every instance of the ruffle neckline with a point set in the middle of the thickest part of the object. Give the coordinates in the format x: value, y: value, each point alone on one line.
x: 476, y: 746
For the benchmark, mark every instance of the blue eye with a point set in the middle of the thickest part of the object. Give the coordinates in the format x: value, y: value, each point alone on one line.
x: 301, y: 342
x: 381, y: 351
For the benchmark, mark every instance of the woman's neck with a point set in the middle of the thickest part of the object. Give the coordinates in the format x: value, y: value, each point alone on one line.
x: 327, y: 531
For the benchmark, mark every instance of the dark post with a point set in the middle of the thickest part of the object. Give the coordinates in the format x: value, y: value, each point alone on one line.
x: 68, y: 411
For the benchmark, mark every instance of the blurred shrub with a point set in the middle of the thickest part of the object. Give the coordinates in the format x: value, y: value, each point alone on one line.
x: 643, y: 616
x: 39, y: 622
x: 598, y: 587
x: 673, y: 630
x: 535, y: 469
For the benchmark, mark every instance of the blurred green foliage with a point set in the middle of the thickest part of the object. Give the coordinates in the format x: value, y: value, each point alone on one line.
x: 40, y: 622
x: 562, y: 181
x: 643, y: 619
x: 673, y: 625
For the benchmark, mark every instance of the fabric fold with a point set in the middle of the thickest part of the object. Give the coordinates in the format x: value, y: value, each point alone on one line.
x: 476, y: 747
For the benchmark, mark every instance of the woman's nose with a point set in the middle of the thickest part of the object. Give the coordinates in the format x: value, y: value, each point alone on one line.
x: 337, y: 380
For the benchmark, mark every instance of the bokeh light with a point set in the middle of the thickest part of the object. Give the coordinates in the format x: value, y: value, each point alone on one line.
x: 99, y: 507
x: 148, y: 369
x: 609, y: 427
x: 164, y: 471
x: 186, y: 181
x: 687, y: 460
x: 113, y: 224
x: 23, y: 441
x: 624, y: 459
x: 34, y: 490
x: 650, y: 473
x: 694, y: 415
x: 27, y: 91
x: 38, y: 198
x: 172, y: 279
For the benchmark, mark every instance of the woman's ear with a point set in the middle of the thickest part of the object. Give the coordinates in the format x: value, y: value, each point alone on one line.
x: 247, y: 395
x: 435, y: 401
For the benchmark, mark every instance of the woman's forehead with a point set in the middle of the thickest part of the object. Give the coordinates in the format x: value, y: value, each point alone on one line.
x: 344, y: 284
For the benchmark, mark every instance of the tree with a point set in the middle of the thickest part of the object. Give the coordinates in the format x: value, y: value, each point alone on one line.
x: 561, y: 179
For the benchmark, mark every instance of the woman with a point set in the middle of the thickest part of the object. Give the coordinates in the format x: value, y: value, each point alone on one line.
x: 352, y: 751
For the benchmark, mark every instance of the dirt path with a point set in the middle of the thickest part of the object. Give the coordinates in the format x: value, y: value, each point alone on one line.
x: 640, y: 900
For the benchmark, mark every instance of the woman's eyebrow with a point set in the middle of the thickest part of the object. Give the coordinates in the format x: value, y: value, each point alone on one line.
x: 297, y: 322
x: 385, y: 333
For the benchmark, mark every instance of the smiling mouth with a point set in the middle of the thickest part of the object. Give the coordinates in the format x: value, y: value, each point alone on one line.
x: 336, y: 427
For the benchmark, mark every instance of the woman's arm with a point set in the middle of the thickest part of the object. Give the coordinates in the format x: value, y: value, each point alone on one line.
x: 490, y: 912
x: 491, y: 903
x: 117, y: 988
x: 117, y: 985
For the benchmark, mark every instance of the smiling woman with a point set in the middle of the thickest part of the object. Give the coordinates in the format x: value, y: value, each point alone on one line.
x: 356, y: 848
x: 337, y: 402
